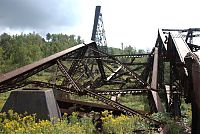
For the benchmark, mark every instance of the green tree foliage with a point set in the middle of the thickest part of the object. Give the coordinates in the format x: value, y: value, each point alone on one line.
x: 20, y: 50
x: 1, y: 60
x: 125, y: 50
x: 141, y: 51
x: 129, y: 50
x: 48, y: 37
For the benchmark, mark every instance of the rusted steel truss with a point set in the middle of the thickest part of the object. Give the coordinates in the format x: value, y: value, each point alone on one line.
x: 184, y: 71
x: 86, y: 70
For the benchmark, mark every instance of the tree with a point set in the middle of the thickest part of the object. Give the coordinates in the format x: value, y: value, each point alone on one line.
x: 19, y: 56
x: 79, y: 41
x: 1, y: 60
x: 48, y: 37
x: 129, y: 50
x: 141, y: 51
x: 5, y: 40
x: 19, y: 50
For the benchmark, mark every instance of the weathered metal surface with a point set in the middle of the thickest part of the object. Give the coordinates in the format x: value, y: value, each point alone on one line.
x: 196, y: 78
x: 98, y: 32
x: 154, y: 83
x: 114, y: 73
x: 99, y: 97
x: 181, y: 30
x: 96, y: 18
x: 193, y: 67
x: 124, y: 91
x: 99, y: 62
x: 105, y: 56
x: 75, y: 63
x: 181, y: 46
x: 119, y: 106
x: 69, y: 106
x: 132, y: 73
x: 163, y: 38
x: 154, y: 78
x: 68, y: 77
x: 72, y: 90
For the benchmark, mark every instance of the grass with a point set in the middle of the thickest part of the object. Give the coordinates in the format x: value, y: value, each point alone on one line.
x: 133, y: 101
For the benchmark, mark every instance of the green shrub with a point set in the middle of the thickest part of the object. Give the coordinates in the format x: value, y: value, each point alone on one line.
x: 173, y: 128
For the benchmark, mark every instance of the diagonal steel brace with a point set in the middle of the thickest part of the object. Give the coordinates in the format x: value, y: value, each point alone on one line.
x: 67, y: 76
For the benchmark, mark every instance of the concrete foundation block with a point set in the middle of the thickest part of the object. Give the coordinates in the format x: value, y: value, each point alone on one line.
x: 39, y: 102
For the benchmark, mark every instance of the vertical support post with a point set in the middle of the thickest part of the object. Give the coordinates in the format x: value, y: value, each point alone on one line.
x: 161, y: 54
x: 195, y: 118
x: 174, y: 94
x: 154, y: 83
x: 196, y: 95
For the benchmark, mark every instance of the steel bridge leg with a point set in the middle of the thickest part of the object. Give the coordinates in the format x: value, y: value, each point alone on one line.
x: 195, y: 118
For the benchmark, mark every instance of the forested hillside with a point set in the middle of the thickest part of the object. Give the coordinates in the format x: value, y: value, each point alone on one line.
x: 20, y: 50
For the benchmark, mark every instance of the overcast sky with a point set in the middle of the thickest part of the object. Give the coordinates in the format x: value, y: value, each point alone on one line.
x: 131, y: 22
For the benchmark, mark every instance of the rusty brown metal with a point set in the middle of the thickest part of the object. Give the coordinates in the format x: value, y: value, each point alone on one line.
x: 131, y: 72
x: 71, y: 81
x: 154, y: 83
x: 69, y: 106
x: 163, y: 38
x: 196, y: 78
x: 193, y: 88
x: 196, y: 94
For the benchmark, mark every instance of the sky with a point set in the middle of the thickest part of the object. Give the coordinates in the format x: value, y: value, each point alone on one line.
x: 129, y: 22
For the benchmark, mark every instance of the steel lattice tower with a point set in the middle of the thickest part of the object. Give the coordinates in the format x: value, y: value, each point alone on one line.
x: 98, y: 32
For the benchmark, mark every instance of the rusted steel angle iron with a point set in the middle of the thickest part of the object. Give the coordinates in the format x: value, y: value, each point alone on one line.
x: 124, y: 91
x: 72, y: 90
x: 64, y: 71
x: 135, y: 75
x: 116, y: 56
x: 65, y: 104
x: 74, y: 66
x: 119, y: 106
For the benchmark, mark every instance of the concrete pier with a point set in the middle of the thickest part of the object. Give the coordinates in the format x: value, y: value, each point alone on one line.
x: 39, y: 102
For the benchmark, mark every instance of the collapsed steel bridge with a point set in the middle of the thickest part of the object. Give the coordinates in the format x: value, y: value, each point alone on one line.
x: 87, y: 70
